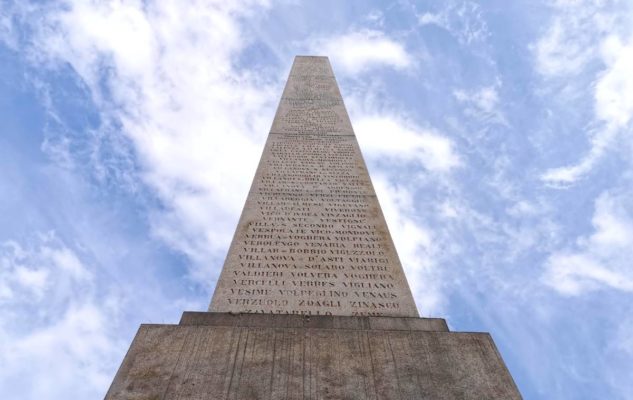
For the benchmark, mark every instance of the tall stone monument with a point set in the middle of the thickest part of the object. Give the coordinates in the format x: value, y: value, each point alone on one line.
x: 312, y: 301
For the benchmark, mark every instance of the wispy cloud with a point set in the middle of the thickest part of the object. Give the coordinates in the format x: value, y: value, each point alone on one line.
x: 388, y: 137
x: 600, y: 260
x: 464, y: 20
x: 614, y: 88
x: 414, y: 243
x: 582, y: 34
x: 164, y: 79
x: 385, y: 132
x: 482, y: 103
x: 395, y: 145
x: 613, y: 108
x: 566, y: 46
x: 358, y: 51
x: 54, y: 329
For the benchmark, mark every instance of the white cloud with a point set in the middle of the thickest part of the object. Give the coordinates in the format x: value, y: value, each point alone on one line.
x: 386, y: 136
x: 34, y: 280
x: 7, y: 30
x: 623, y: 341
x: 574, y: 274
x: 77, y: 347
x: 614, y: 89
x: 29, y: 274
x: 448, y: 210
x: 485, y: 98
x: 165, y: 74
x: 54, y: 330
x: 613, y: 106
x: 432, y: 19
x: 573, y: 37
x: 563, y: 176
x: 376, y: 17
x: 482, y: 103
x: 383, y: 132
x: 601, y: 260
x: 464, y: 21
x: 559, y: 51
x: 582, y: 33
x: 413, y: 241
x: 358, y: 51
x: 67, y: 261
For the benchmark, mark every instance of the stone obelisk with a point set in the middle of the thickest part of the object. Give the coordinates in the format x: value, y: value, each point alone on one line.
x: 312, y: 301
x: 312, y: 239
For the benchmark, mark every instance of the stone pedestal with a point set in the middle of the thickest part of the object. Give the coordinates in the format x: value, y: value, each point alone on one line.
x: 254, y: 356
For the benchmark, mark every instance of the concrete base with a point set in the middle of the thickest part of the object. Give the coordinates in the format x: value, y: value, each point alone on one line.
x: 256, y: 356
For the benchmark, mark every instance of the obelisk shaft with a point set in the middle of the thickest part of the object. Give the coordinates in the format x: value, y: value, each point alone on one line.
x: 312, y: 238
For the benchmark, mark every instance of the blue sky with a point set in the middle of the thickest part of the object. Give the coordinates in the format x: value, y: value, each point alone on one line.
x: 498, y: 134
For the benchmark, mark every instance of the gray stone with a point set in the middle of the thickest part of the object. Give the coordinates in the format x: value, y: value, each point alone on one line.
x: 319, y: 321
x: 223, y: 356
x: 312, y: 239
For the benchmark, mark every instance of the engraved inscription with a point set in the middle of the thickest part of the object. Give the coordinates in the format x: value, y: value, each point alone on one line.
x: 312, y: 239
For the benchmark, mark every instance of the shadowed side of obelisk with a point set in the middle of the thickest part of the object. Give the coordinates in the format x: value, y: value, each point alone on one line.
x: 312, y: 239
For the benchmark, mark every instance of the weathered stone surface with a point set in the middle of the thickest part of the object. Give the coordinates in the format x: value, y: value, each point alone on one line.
x: 276, y: 357
x: 312, y: 302
x: 312, y: 239
x: 320, y: 321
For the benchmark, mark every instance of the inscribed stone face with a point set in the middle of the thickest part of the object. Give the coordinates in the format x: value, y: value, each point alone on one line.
x: 312, y: 238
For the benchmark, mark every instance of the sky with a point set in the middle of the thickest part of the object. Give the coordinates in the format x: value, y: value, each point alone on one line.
x: 498, y: 135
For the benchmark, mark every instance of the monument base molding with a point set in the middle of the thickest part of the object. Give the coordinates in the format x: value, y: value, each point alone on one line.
x: 257, y: 356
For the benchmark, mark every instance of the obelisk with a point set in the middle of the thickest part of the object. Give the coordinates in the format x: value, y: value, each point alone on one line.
x: 312, y: 239
x: 312, y: 301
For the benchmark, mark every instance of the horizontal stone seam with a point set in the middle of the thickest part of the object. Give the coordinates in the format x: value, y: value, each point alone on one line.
x: 316, y: 329
x: 306, y: 193
x: 312, y: 75
x: 328, y: 133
